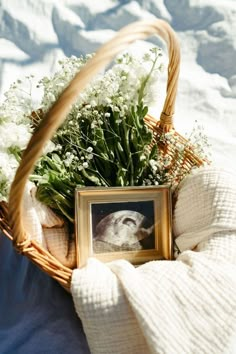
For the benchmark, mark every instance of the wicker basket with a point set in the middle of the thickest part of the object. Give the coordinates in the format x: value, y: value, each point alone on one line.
x: 11, y: 215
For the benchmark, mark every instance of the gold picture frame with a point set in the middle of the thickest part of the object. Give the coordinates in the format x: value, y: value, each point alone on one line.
x: 132, y: 223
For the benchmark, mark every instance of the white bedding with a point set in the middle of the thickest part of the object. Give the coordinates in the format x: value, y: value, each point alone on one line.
x: 183, y: 306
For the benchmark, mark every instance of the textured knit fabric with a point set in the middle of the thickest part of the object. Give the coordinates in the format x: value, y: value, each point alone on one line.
x: 206, y: 204
x: 183, y: 306
x: 45, y: 227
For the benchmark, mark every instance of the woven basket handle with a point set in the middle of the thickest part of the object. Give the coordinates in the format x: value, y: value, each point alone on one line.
x: 57, y: 114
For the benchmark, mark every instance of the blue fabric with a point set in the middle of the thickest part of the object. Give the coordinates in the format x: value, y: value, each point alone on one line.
x: 36, y: 315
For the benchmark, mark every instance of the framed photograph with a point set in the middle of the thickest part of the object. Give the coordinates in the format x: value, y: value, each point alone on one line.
x: 132, y: 223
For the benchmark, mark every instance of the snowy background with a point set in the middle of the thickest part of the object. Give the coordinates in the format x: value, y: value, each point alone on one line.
x: 34, y: 35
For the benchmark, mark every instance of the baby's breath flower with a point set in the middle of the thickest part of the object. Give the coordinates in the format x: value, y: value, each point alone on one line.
x: 153, y: 165
x: 89, y: 156
x: 50, y: 146
x: 93, y: 103
x: 118, y: 121
x: 104, y: 140
x: 142, y: 157
x: 146, y: 57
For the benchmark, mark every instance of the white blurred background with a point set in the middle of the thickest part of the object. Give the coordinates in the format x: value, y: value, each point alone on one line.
x: 34, y: 35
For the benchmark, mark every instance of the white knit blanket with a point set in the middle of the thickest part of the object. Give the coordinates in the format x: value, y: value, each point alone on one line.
x: 183, y: 306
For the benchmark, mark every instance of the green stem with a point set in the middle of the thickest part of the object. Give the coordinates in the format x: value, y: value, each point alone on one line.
x: 145, y: 81
x: 129, y: 154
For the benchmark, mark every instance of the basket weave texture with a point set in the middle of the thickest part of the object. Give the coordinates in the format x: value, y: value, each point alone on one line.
x: 11, y: 214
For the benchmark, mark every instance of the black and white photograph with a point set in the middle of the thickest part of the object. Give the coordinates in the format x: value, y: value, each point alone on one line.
x: 127, y: 226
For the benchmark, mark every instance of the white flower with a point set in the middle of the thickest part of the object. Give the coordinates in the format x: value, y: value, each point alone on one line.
x: 107, y: 100
x: 8, y: 166
x: 50, y: 146
x: 69, y: 160
x: 51, y: 97
x: 153, y: 165
x: 142, y: 157
x: 89, y: 156
x: 93, y: 103
x: 58, y: 147
x: 14, y: 135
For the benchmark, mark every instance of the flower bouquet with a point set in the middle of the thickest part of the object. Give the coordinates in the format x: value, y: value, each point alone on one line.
x: 104, y: 140
x: 108, y: 139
